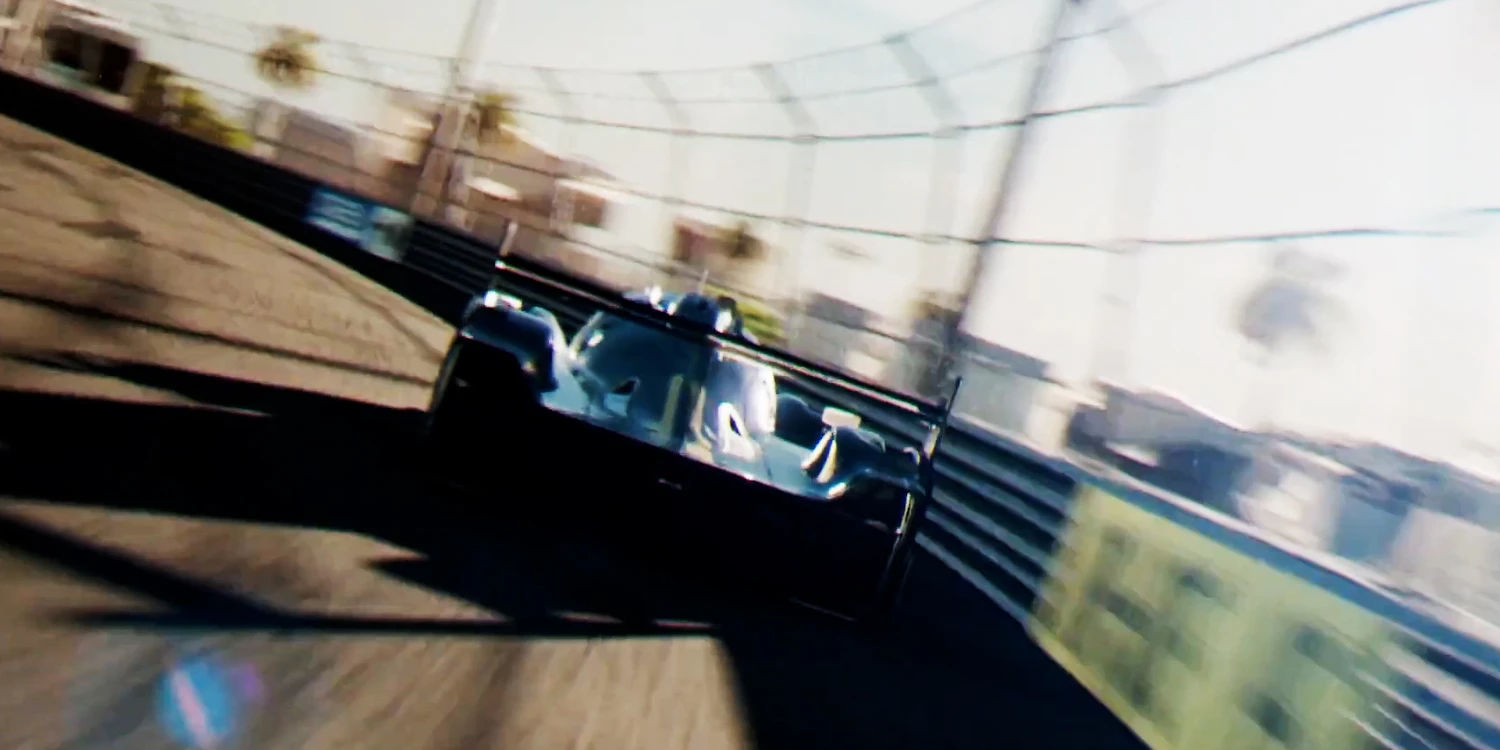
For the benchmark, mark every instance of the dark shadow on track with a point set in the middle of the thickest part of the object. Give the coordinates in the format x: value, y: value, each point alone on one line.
x: 954, y: 672
x: 196, y: 606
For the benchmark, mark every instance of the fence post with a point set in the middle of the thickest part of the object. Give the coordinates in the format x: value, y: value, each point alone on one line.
x: 985, y: 241
x: 560, y: 208
x: 948, y: 151
x: 448, y: 121
x: 437, y: 149
x: 671, y: 203
x: 363, y: 179
x: 799, y: 192
x: 1134, y: 200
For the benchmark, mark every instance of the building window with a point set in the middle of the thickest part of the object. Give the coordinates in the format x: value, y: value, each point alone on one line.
x: 537, y: 203
x: 589, y: 210
x: 99, y: 63
x: 65, y: 47
x: 686, y: 245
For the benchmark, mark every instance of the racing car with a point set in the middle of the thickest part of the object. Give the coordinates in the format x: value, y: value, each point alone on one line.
x: 664, y: 411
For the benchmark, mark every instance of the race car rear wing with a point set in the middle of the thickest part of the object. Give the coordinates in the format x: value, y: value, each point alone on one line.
x: 549, y: 282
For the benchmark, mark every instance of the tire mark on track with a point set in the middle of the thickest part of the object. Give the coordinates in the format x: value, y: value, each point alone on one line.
x: 433, y: 354
x: 131, y: 239
x: 109, y: 226
x: 169, y: 297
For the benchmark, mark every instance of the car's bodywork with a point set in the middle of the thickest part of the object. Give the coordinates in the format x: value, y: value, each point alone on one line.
x: 666, y: 409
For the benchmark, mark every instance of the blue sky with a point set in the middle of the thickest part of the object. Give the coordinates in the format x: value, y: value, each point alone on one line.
x: 1385, y: 126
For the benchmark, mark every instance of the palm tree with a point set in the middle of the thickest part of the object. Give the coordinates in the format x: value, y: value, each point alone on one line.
x: 194, y: 112
x: 24, y: 48
x: 741, y: 245
x: 288, y: 65
x: 491, y: 117
x: 287, y: 62
x: 1289, y: 309
x: 932, y: 313
x: 489, y: 121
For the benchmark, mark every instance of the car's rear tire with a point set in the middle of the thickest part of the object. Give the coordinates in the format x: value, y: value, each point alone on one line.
x: 444, y: 421
x: 479, y: 395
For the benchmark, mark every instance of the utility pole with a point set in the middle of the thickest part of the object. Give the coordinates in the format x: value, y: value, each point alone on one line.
x: 484, y: 24
x: 1135, y: 195
x: 987, y: 248
x: 443, y: 136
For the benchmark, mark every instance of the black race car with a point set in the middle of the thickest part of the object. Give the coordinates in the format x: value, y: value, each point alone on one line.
x: 662, y: 411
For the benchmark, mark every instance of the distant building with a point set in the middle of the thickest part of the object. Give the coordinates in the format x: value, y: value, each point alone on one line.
x: 516, y: 178
x: 1163, y: 440
x: 595, y: 215
x: 1151, y: 419
x: 1003, y: 389
x: 1009, y: 391
x: 403, y: 124
x: 17, y: 23
x: 846, y: 336
x: 702, y: 246
x: 299, y: 140
x: 1346, y: 500
x: 22, y: 23
x: 397, y: 139
x: 73, y: 45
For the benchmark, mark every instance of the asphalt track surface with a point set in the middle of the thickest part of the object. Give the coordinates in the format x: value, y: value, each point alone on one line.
x: 203, y: 445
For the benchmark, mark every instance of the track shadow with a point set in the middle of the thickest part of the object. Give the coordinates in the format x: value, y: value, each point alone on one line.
x: 953, y: 672
x: 196, y: 606
x: 269, y: 455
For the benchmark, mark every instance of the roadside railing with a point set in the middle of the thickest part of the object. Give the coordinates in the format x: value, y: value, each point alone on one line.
x: 1191, y: 626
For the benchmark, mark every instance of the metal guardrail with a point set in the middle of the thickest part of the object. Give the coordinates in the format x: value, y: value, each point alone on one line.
x: 1001, y: 508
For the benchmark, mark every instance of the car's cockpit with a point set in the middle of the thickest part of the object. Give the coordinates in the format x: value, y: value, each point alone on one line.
x: 637, y: 371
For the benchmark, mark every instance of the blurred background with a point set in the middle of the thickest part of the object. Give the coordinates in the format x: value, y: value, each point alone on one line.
x: 1241, y: 251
